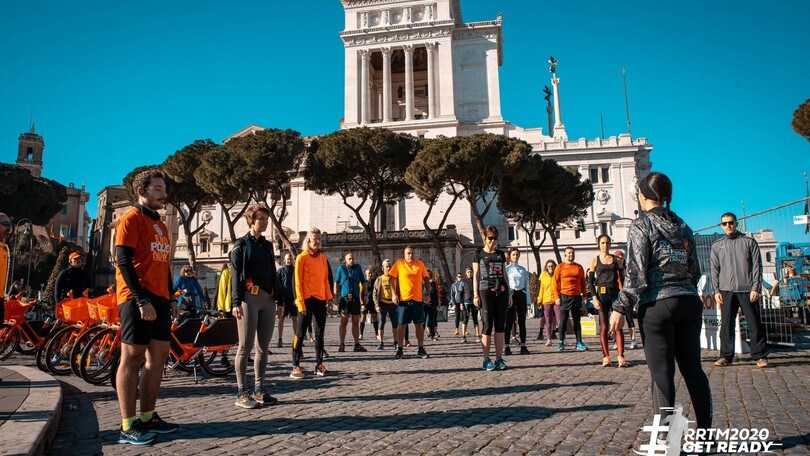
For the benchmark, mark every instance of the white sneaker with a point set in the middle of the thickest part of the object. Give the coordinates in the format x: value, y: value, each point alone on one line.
x: 633, y: 344
x: 548, y: 343
x: 614, y: 345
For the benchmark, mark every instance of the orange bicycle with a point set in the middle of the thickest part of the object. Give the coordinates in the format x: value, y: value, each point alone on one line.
x: 59, y: 348
x: 20, y: 334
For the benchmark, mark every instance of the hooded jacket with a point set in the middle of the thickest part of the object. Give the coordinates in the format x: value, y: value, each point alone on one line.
x: 661, y: 260
x: 736, y: 264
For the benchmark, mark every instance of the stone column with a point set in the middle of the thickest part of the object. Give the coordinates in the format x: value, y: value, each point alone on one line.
x: 378, y: 101
x: 364, y: 87
x: 408, y: 48
x: 431, y: 75
x: 386, y: 111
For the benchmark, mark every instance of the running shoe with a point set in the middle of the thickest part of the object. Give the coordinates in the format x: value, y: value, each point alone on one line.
x: 398, y: 354
x: 723, y: 362
x: 456, y: 334
x: 380, y: 347
x: 488, y: 365
x: 159, y: 426
x: 279, y: 344
x: 633, y: 344
x: 467, y: 333
x: 137, y: 434
x: 224, y: 361
x: 561, y: 346
x: 245, y: 401
x: 264, y: 399
x: 422, y: 353
x: 507, y: 351
x: 359, y: 348
x: 297, y: 373
x: 762, y: 363
x: 614, y: 345
x: 623, y: 362
x: 539, y: 336
x: 581, y: 347
x: 407, y: 343
x: 524, y: 350
x: 464, y: 339
x: 325, y: 354
x: 606, y: 361
x: 342, y: 348
x: 500, y: 364
x: 322, y: 371
x: 361, y: 336
x: 548, y: 342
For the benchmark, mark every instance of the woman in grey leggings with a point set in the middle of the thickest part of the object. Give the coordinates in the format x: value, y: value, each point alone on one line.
x: 254, y: 305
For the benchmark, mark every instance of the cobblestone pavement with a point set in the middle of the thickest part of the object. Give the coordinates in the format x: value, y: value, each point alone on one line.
x: 546, y: 403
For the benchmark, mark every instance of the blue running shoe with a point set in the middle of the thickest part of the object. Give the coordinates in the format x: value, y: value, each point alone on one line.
x: 561, y: 346
x: 500, y: 365
x: 488, y: 365
x: 158, y: 426
x: 581, y: 347
x: 137, y: 434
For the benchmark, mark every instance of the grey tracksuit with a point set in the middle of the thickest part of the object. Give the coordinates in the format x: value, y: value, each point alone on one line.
x: 741, y: 263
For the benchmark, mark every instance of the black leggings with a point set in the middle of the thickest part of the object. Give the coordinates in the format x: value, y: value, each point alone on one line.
x: 570, y: 306
x: 470, y: 310
x: 519, y: 309
x: 672, y: 333
x: 493, y: 311
x: 316, y: 311
x: 458, y: 314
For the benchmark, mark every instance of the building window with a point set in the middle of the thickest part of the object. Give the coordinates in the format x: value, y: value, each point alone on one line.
x: 203, y: 245
x: 769, y: 257
x: 557, y: 234
x: 600, y: 174
x: 224, y: 248
x: 512, y: 233
x: 603, y: 228
x: 64, y: 209
x: 537, y: 235
x: 577, y: 233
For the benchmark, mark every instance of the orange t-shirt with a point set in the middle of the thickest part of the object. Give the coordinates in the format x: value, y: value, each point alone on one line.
x: 409, y: 278
x: 569, y: 279
x: 311, y: 279
x: 4, y: 270
x: 152, y: 255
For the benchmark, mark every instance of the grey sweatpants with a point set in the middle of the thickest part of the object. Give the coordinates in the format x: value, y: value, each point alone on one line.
x: 255, y: 327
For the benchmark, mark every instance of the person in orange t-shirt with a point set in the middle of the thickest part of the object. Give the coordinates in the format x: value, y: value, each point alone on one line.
x: 5, y: 230
x: 409, y: 275
x: 144, y: 285
x: 569, y: 278
x: 312, y: 291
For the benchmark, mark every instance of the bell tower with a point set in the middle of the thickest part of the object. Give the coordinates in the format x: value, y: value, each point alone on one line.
x: 29, y: 153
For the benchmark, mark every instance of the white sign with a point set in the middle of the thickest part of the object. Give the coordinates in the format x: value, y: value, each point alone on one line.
x: 800, y: 219
x: 710, y: 333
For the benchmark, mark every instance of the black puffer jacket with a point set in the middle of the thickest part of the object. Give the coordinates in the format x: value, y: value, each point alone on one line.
x: 661, y: 260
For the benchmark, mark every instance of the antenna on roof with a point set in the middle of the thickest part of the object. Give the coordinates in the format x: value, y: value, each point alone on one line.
x: 602, y: 123
x: 31, y: 121
x: 626, y: 103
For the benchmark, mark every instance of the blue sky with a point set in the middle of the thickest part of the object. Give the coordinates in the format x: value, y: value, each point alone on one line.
x: 712, y: 85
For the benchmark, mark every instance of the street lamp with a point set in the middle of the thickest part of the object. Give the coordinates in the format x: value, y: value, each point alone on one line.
x: 16, y: 249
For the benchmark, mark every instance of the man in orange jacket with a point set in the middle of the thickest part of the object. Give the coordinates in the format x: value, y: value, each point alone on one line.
x: 312, y: 291
x: 569, y: 278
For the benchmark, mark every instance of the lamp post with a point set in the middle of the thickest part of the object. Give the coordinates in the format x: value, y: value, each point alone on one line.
x: 16, y: 249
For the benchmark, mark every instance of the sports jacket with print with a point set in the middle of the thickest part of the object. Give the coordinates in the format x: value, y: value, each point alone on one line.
x: 661, y: 260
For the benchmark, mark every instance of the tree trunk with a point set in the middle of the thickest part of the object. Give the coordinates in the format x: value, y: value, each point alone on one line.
x: 535, y: 247
x: 368, y: 226
x: 434, y: 234
x: 552, y: 231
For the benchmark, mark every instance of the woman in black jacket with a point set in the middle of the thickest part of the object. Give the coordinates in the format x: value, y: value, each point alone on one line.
x: 662, y: 271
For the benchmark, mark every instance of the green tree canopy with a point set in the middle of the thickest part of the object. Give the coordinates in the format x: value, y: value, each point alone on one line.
x: 363, y: 166
x: 25, y: 196
x: 545, y: 194
x: 270, y: 159
x: 476, y: 166
x: 801, y: 120
x: 182, y: 189
x: 223, y: 174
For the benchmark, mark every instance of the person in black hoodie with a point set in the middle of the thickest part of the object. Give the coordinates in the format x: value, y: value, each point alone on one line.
x: 72, y: 279
x: 255, y: 296
x: 662, y: 271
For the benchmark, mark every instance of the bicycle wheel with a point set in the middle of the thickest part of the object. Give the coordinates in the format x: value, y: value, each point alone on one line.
x: 57, y: 352
x: 95, y: 361
x: 24, y: 345
x: 183, y: 366
x: 9, y: 339
x: 218, y: 363
x: 81, y: 342
x: 40, y: 355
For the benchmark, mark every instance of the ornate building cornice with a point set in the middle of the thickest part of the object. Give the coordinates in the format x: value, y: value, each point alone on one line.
x: 397, y: 36
x: 390, y: 28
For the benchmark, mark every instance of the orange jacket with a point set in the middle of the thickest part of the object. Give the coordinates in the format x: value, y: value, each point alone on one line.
x: 311, y: 279
x: 569, y: 279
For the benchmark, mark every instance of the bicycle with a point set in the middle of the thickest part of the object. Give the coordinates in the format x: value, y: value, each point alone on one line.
x: 59, y: 348
x: 21, y: 334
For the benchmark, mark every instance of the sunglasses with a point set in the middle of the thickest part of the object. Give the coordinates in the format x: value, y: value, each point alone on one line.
x: 6, y: 224
x: 728, y: 223
x: 491, y: 238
